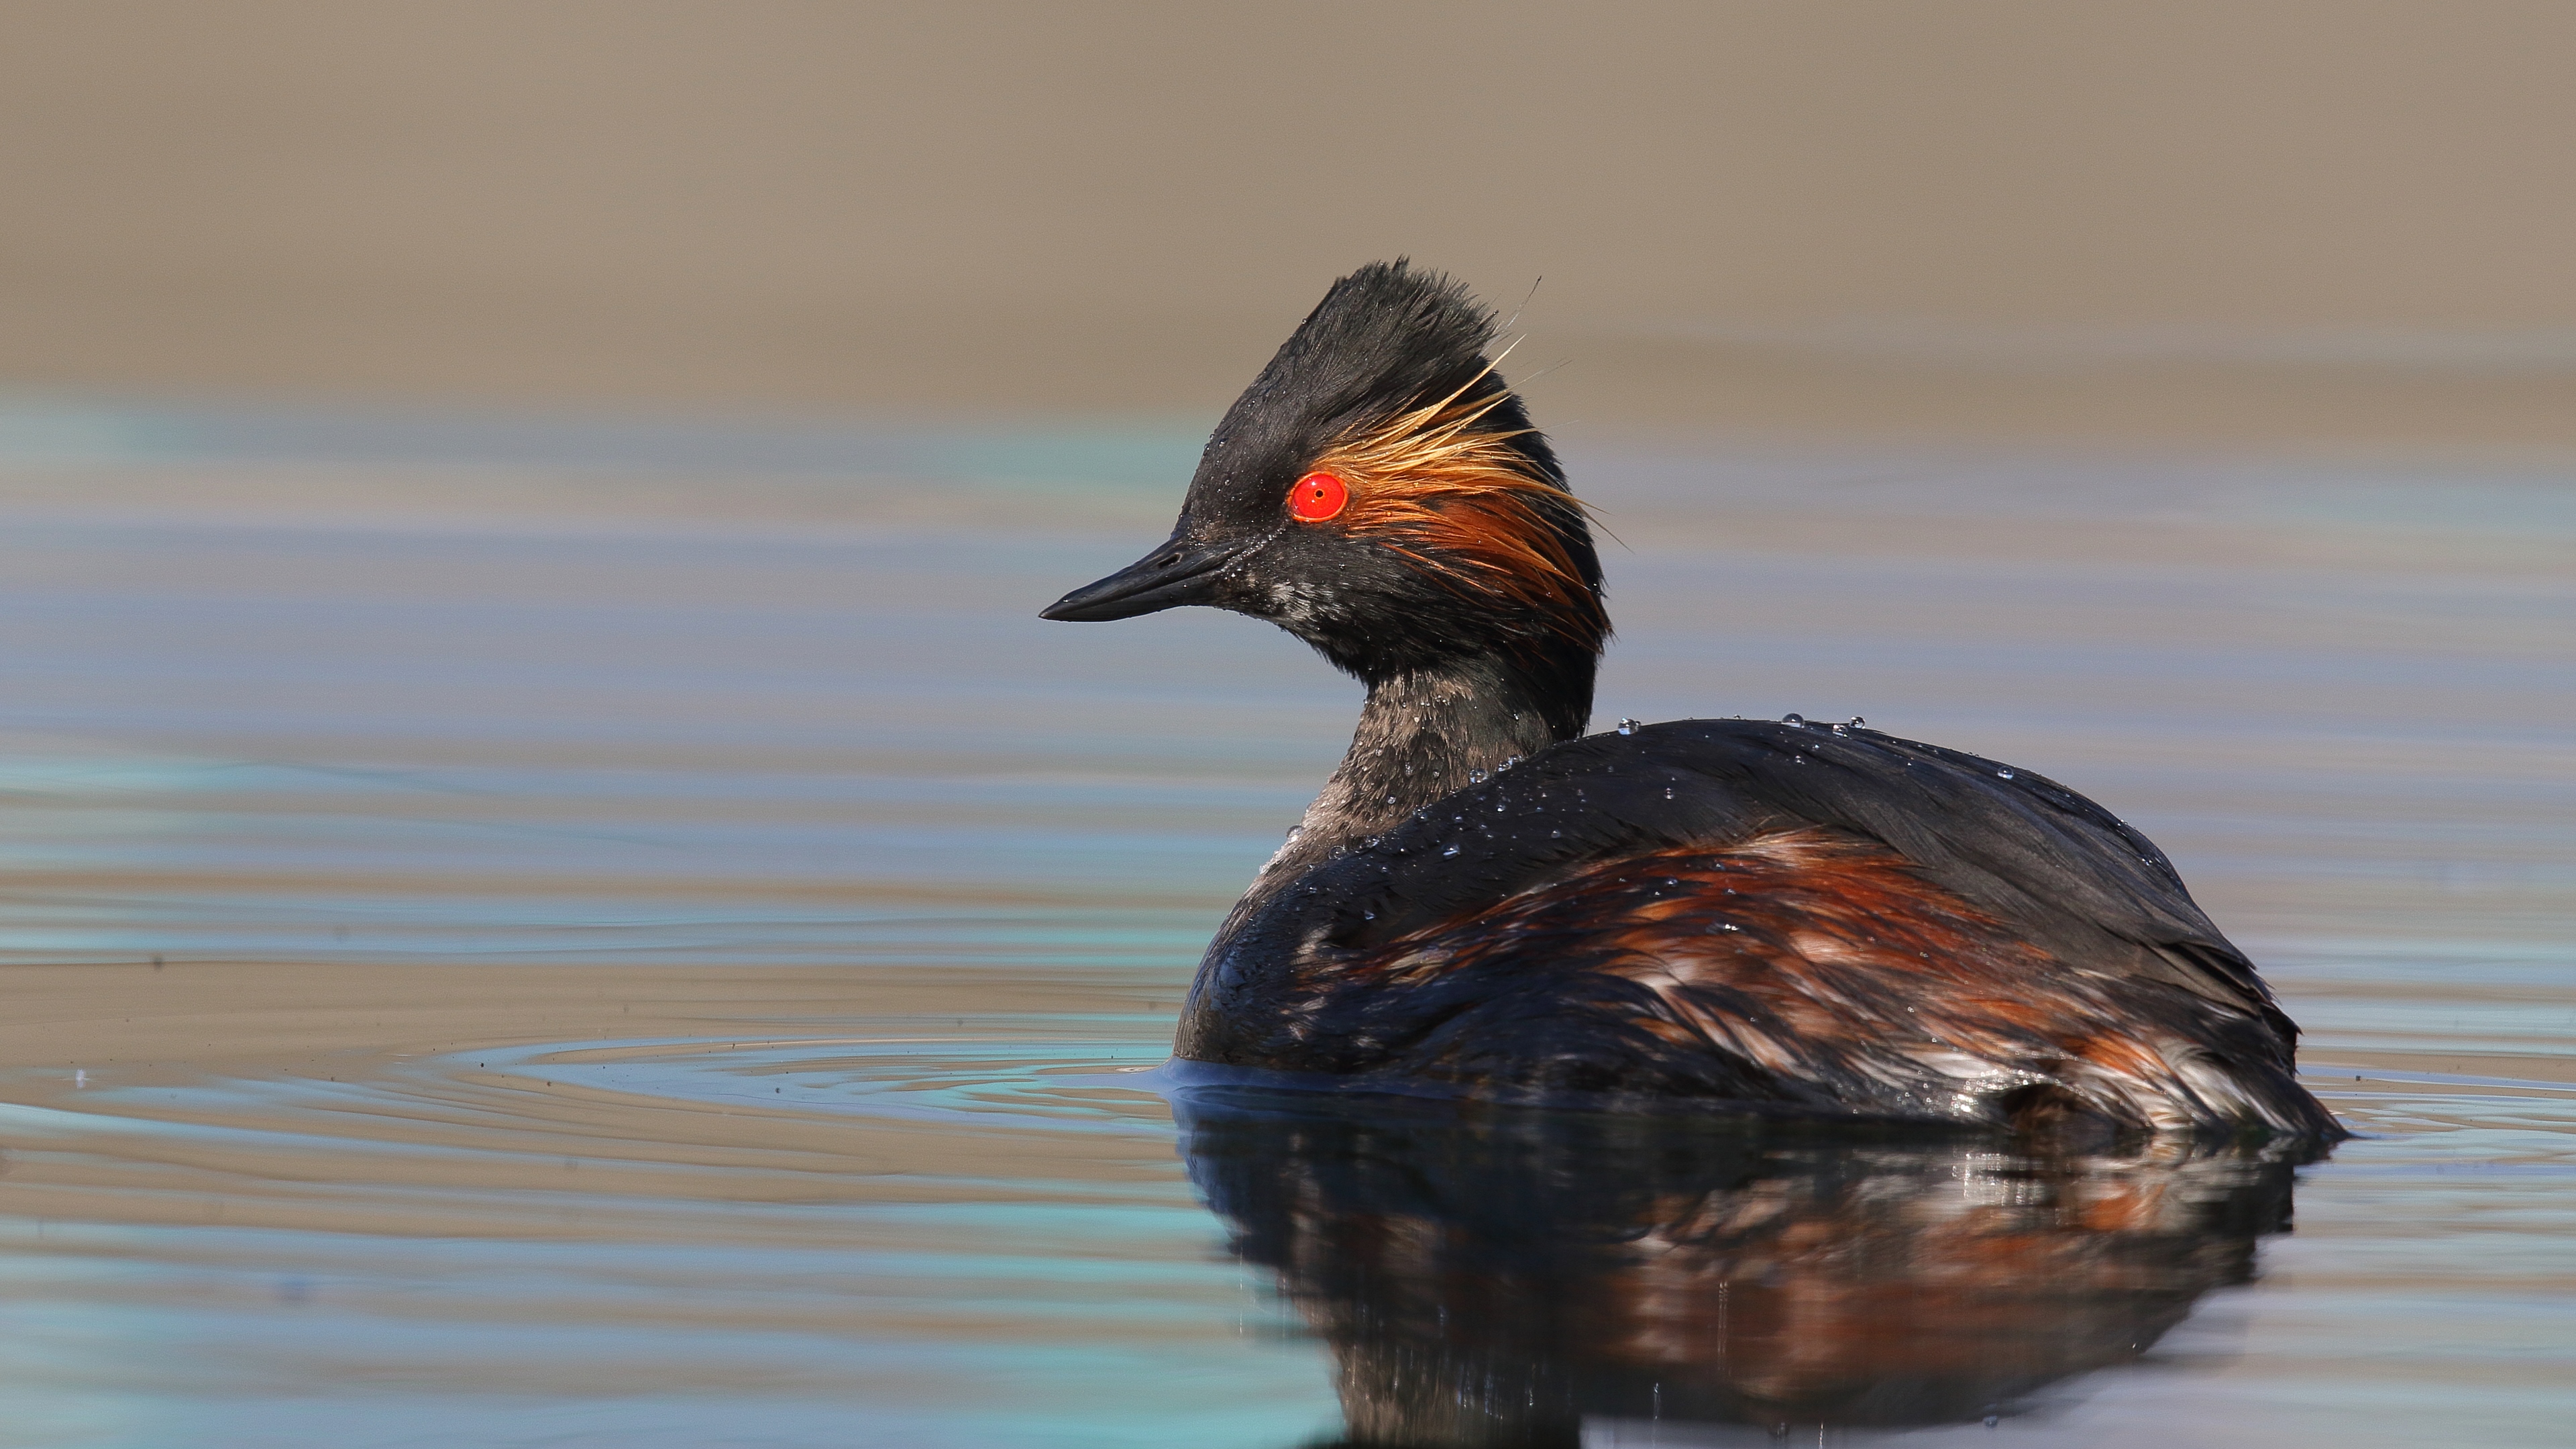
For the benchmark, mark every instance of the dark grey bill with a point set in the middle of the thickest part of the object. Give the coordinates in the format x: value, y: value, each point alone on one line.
x: 1177, y: 573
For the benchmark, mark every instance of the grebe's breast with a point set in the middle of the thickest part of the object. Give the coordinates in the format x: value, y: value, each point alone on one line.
x: 1810, y: 917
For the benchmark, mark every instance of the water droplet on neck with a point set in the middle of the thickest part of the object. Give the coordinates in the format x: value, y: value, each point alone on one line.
x: 1628, y: 726
x: 1296, y: 830
x: 1475, y: 777
x: 1668, y: 792
x: 1448, y: 850
x: 1857, y: 720
x: 1838, y: 729
x: 2003, y: 774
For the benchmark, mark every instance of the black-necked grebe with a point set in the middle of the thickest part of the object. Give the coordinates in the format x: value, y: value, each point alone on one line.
x: 1806, y: 916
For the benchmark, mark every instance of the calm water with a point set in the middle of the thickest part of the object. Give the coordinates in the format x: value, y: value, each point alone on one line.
x: 634, y: 935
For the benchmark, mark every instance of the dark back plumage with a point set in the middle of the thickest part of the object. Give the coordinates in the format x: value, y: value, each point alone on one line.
x: 1811, y: 917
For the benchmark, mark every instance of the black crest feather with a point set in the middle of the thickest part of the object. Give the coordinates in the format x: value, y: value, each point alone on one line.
x: 1385, y: 339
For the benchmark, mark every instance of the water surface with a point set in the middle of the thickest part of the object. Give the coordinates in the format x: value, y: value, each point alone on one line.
x: 635, y: 935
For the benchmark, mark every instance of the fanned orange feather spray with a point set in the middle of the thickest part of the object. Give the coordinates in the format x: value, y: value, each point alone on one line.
x: 1451, y: 495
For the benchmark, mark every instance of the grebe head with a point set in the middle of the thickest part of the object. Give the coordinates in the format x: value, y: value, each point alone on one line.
x: 1379, y: 493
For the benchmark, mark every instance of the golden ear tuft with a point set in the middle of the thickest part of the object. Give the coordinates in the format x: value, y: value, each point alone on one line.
x: 1444, y: 487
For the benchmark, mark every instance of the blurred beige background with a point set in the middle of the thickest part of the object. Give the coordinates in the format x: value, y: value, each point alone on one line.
x: 2344, y: 226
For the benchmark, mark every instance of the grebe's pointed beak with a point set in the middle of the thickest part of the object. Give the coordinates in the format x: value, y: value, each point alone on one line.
x: 1180, y: 572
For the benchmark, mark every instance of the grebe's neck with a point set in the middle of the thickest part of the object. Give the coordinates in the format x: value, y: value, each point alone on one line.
x: 1423, y: 734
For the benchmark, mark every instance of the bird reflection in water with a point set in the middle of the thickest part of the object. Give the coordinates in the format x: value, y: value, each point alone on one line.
x: 1507, y: 1277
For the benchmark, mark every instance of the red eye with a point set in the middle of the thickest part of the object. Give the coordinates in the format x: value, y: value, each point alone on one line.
x: 1318, y: 496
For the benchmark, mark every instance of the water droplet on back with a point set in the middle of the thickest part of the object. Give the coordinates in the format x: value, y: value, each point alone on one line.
x: 1794, y: 721
x: 2003, y: 774
x: 1628, y: 726
x: 1668, y: 792
x: 1475, y: 777
x: 1449, y: 850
